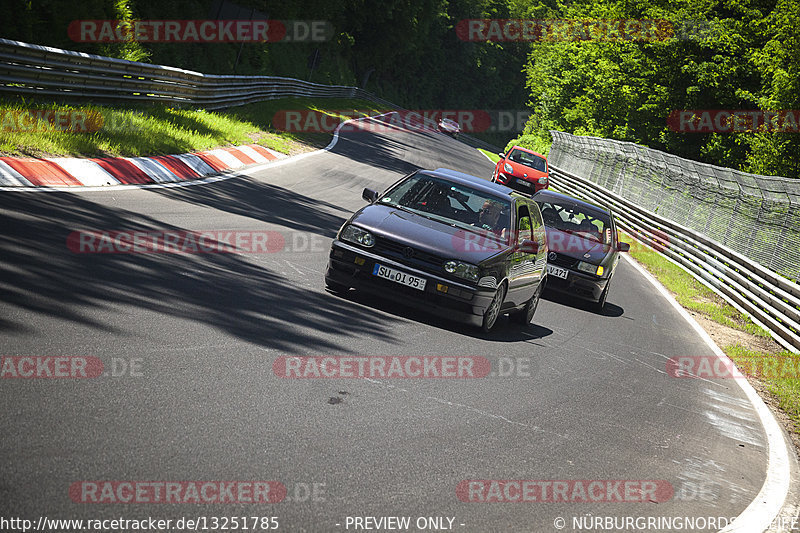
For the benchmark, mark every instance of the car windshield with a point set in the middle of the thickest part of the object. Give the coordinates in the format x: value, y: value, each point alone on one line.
x: 452, y: 203
x: 573, y: 218
x: 529, y: 160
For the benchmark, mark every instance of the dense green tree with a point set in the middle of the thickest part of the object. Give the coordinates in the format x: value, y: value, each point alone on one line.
x: 735, y: 55
x: 778, y: 62
x: 709, y: 54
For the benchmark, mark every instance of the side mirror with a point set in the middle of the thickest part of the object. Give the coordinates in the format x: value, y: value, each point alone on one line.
x: 528, y: 246
x: 502, y: 155
x: 369, y: 195
x: 623, y: 246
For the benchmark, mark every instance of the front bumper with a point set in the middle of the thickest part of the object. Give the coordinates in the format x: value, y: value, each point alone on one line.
x: 578, y: 284
x: 523, y: 185
x: 352, y: 267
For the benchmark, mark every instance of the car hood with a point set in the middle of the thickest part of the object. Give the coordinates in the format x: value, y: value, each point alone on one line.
x: 576, y: 245
x: 425, y: 234
x: 521, y: 170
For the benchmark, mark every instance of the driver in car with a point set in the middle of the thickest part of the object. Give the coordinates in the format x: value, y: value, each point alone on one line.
x: 489, y: 218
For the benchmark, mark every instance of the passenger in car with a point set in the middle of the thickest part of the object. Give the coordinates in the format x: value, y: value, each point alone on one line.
x: 491, y: 218
x: 437, y: 203
x: 550, y: 216
x: 587, y: 227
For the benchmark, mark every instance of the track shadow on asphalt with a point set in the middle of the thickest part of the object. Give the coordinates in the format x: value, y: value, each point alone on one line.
x: 504, y: 330
x: 254, y: 198
x: 403, y: 151
x: 39, y: 273
x: 379, y: 151
x: 246, y: 197
x: 609, y: 310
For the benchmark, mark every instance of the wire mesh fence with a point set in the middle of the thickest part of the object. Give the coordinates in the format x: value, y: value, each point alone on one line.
x: 757, y: 216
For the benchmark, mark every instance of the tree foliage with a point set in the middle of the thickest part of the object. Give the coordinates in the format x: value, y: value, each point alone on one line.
x: 725, y: 54
x: 732, y: 55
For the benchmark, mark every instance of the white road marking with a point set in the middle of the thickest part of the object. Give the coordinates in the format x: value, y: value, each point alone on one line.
x: 11, y: 175
x: 767, y: 505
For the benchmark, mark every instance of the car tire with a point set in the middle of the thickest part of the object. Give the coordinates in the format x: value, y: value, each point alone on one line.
x: 525, y: 316
x: 493, y: 310
x: 601, y: 302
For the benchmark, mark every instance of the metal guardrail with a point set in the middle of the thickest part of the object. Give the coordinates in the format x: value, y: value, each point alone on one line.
x: 78, y: 77
x: 769, y: 299
x: 70, y: 76
x: 757, y: 216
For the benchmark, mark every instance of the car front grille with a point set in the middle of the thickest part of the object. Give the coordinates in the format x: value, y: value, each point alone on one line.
x: 561, y: 260
x: 408, y: 255
x: 512, y: 183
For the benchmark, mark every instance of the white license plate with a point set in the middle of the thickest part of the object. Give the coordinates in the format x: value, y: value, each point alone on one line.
x: 399, y: 277
x: 525, y: 183
x: 557, y: 271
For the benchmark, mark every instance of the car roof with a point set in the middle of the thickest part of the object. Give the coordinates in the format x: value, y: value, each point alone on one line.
x: 529, y: 151
x: 473, y: 181
x: 565, y: 198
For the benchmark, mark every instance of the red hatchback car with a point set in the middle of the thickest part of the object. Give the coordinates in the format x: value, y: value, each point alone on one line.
x: 523, y: 170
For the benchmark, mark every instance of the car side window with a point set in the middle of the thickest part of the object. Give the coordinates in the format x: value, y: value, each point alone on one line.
x: 536, y: 218
x: 610, y: 235
x: 524, y: 224
x: 537, y: 224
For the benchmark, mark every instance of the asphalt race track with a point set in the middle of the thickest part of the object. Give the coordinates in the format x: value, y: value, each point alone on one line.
x: 188, y: 343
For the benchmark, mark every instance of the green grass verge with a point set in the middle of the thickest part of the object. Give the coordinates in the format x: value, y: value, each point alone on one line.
x: 491, y: 155
x: 155, y: 130
x: 778, y: 372
x: 261, y: 115
x: 692, y: 294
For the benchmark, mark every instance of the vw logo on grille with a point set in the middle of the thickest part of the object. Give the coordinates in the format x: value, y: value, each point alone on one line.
x: 408, y: 252
x: 552, y: 256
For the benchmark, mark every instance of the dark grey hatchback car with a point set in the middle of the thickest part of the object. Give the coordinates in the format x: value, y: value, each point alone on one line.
x: 445, y: 242
x: 584, y: 246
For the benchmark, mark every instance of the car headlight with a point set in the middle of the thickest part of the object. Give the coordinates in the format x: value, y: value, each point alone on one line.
x: 358, y: 236
x: 590, y: 268
x: 462, y: 270
x: 508, y: 168
x: 543, y: 180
